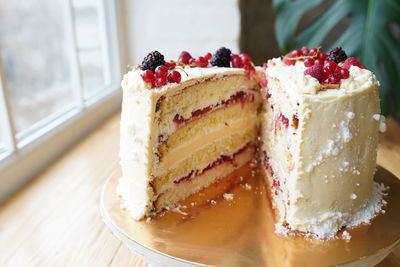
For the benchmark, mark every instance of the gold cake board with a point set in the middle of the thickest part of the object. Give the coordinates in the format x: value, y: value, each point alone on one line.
x: 240, y: 232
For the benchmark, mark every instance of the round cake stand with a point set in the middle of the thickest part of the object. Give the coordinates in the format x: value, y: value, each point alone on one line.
x: 240, y: 231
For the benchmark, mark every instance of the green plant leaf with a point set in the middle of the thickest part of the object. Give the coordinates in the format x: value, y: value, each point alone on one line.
x: 367, y: 38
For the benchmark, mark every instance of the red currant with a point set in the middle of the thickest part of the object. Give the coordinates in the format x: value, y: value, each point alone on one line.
x: 201, y: 62
x: 245, y: 59
x: 184, y: 60
x: 161, y: 71
x: 174, y: 77
x: 326, y: 74
x: 344, y: 74
x: 185, y: 54
x: 265, y: 66
x: 288, y: 61
x: 208, y: 56
x: 236, y: 61
x: 331, y: 66
x: 308, y: 62
x: 160, y: 82
x: 313, y: 52
x: 170, y: 65
x: 305, y: 50
x: 322, y: 56
x: 318, y: 62
x: 148, y: 76
x: 191, y: 61
x: 333, y: 79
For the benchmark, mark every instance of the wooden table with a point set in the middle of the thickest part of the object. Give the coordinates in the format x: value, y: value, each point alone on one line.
x: 55, y: 220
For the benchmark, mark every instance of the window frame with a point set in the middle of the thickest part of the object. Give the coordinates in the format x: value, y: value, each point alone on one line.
x: 58, y: 133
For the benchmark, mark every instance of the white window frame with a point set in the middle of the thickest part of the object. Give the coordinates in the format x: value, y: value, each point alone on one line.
x: 27, y: 158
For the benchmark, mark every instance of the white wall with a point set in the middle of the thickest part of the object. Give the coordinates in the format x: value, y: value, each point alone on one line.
x: 175, y: 25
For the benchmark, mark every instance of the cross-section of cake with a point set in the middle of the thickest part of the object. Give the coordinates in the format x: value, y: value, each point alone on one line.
x: 184, y: 125
x: 320, y: 138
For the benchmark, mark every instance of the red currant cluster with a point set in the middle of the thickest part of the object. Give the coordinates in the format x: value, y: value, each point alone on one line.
x: 326, y: 72
x: 201, y: 62
x: 161, y: 75
x: 243, y: 61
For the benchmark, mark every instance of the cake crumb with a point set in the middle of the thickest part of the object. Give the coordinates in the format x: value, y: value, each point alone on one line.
x: 241, y: 178
x: 192, y: 204
x: 346, y: 235
x: 148, y: 220
x: 228, y: 196
x: 213, y: 202
x: 353, y: 196
x: 247, y: 186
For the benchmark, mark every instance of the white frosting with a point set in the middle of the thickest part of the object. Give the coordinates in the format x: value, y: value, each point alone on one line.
x: 328, y: 176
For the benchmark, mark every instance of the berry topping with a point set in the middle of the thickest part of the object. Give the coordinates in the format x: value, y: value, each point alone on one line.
x: 174, y: 77
x: 160, y: 82
x: 184, y: 57
x: 221, y: 58
x: 322, y: 56
x: 208, y: 56
x: 333, y: 79
x: 170, y: 65
x: 152, y: 61
x: 148, y: 76
x: 245, y: 59
x: 313, y: 52
x: 337, y: 54
x: 201, y: 62
x: 319, y: 62
x: 308, y: 62
x: 305, y: 50
x: 344, y: 74
x: 161, y: 72
x: 236, y: 61
x: 351, y: 61
x: 330, y: 66
x: 315, y: 71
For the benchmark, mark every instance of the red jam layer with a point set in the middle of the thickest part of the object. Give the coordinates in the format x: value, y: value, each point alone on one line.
x: 222, y: 159
x: 239, y: 96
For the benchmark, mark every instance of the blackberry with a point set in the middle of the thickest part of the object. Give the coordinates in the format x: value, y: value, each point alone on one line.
x: 152, y: 61
x: 336, y: 55
x: 221, y: 58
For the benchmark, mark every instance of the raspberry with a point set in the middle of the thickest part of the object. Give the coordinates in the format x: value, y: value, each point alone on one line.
x: 148, y: 76
x: 351, y: 61
x: 201, y: 62
x: 152, y: 61
x: 337, y: 54
x: 315, y: 71
x: 161, y: 71
x: 221, y: 58
x: 174, y: 77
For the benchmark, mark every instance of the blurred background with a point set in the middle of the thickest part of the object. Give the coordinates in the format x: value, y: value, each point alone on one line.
x: 61, y: 61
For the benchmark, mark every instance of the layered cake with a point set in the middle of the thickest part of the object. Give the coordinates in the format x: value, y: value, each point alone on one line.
x: 320, y: 138
x: 313, y: 118
x: 185, y: 125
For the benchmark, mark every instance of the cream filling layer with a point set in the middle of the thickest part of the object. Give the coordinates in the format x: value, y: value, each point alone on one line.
x: 179, y: 153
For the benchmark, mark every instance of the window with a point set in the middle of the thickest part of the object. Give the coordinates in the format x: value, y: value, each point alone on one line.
x: 59, y: 60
